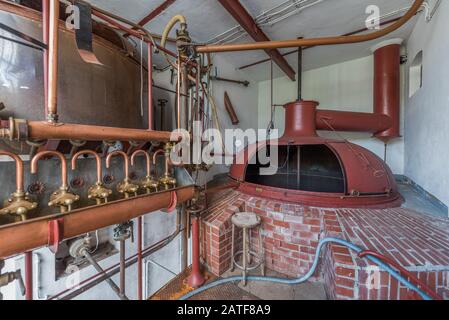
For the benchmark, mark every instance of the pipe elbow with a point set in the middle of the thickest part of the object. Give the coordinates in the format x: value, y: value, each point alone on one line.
x: 19, y: 169
x: 60, y: 156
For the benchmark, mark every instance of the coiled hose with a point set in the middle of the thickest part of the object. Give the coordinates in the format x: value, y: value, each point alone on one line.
x: 306, y: 277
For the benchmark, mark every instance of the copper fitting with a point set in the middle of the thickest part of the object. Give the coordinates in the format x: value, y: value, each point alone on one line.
x: 98, y: 191
x: 147, y: 183
x: 126, y: 187
x: 125, y: 157
x: 147, y: 156
x: 19, y: 203
x: 97, y: 158
x: 61, y: 198
x: 40, y: 155
x: 19, y: 169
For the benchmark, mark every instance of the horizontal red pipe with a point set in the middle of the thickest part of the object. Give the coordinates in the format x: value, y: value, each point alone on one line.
x: 33, y: 234
x: 330, y: 120
x: 402, y: 271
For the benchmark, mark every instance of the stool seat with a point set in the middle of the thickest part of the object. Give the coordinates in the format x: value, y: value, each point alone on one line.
x: 246, y: 220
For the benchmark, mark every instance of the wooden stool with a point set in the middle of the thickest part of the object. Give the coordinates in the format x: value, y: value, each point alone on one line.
x: 247, y: 221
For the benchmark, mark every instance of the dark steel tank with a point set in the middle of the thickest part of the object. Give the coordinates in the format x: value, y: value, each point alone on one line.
x: 108, y: 95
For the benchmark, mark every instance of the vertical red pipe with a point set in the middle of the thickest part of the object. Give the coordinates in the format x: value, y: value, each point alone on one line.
x: 387, y: 84
x: 29, y: 275
x: 45, y: 26
x: 196, y: 279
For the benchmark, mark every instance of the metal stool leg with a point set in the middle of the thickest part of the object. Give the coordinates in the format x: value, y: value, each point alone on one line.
x: 249, y: 247
x: 261, y: 253
x: 245, y: 248
x: 232, y: 249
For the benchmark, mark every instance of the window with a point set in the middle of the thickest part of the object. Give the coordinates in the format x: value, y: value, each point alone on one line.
x: 416, y: 74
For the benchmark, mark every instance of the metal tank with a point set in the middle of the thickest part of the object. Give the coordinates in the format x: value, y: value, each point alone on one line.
x: 107, y: 95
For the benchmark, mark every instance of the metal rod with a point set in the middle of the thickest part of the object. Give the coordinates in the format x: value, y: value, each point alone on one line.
x: 300, y: 73
x: 99, y: 269
x: 101, y: 277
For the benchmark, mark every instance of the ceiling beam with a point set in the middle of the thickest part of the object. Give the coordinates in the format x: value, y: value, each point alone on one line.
x: 239, y: 13
x: 153, y: 14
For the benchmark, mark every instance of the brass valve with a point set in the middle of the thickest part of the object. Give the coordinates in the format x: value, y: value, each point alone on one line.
x: 61, y: 198
x: 97, y: 192
x: 167, y: 181
x: 19, y: 204
x: 126, y: 187
x: 149, y: 184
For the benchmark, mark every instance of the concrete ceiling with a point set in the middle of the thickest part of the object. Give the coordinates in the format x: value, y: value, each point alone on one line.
x: 207, y: 19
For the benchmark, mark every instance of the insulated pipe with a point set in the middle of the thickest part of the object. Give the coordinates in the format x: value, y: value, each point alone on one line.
x: 40, y: 155
x: 38, y: 130
x: 329, y: 120
x: 387, y: 84
x: 33, y: 234
x: 19, y: 170
x: 53, y: 49
x: 315, y: 41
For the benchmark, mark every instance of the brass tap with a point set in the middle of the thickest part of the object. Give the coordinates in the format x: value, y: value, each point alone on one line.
x: 97, y: 192
x: 148, y: 183
x: 19, y: 204
x: 126, y: 187
x: 167, y: 180
x: 61, y: 198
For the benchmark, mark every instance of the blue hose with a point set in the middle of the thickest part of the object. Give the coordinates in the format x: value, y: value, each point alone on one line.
x: 306, y: 277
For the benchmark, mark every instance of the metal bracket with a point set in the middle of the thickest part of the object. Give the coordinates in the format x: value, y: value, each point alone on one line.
x: 55, y: 234
x: 173, y: 202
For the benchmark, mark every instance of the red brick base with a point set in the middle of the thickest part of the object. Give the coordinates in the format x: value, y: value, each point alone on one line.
x: 291, y: 234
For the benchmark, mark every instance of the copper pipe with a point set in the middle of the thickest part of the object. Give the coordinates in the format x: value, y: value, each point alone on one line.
x: 32, y: 234
x: 305, y: 48
x: 40, y: 155
x: 97, y: 159
x: 155, y: 155
x: 19, y: 170
x: 38, y: 130
x: 147, y: 156
x: 125, y: 157
x: 45, y: 35
x: 122, y: 268
x: 150, y: 88
x: 314, y: 41
x: 53, y: 44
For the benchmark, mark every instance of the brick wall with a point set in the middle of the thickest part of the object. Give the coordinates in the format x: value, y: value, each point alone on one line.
x: 291, y: 235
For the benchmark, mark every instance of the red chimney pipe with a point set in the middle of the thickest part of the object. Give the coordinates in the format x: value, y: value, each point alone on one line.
x: 387, y: 84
